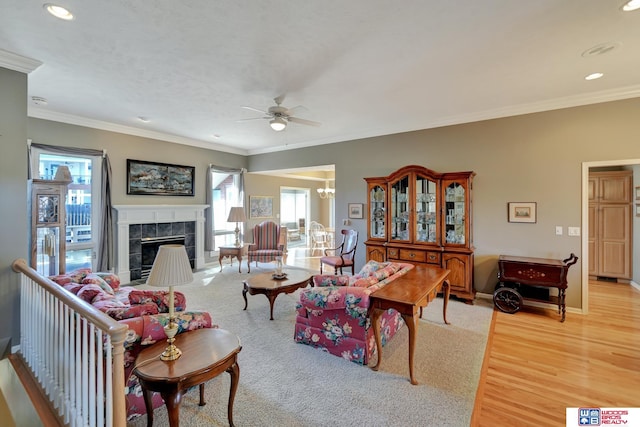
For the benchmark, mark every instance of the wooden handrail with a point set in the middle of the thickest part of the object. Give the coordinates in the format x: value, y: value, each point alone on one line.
x: 115, y: 330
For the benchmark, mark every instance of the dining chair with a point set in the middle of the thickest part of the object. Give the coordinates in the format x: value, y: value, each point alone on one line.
x: 318, y: 236
x: 343, y: 255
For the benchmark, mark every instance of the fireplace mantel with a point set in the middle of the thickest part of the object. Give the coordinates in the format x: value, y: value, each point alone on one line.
x: 150, y: 214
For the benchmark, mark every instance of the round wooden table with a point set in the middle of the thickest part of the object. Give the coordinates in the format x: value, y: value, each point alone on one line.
x: 265, y: 284
x: 205, y: 354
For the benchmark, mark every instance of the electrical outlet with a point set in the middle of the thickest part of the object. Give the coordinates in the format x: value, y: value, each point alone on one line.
x: 346, y: 222
x: 574, y: 231
x: 558, y: 230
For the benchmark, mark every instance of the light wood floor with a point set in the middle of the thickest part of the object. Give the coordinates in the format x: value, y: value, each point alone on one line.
x: 535, y: 366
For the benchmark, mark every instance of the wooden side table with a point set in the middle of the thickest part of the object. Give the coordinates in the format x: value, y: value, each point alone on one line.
x: 231, y: 251
x: 205, y: 354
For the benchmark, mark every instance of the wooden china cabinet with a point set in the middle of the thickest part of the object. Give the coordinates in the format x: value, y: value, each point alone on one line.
x: 421, y: 216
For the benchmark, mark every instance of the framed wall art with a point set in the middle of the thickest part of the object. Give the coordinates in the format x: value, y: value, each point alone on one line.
x: 260, y: 207
x: 522, y: 212
x: 159, y: 179
x: 356, y: 210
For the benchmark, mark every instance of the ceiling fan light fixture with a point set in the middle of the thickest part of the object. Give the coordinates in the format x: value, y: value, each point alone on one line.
x: 278, y: 124
x: 631, y: 5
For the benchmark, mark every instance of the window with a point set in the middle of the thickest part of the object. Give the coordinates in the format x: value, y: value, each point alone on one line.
x: 225, y: 195
x: 82, y: 204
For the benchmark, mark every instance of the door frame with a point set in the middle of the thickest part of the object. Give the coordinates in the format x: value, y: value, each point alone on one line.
x: 585, y: 221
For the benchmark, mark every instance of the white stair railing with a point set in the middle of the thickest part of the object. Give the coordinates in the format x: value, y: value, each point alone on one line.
x: 74, y: 351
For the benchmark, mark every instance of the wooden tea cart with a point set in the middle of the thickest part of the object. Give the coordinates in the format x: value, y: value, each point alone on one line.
x: 515, y: 273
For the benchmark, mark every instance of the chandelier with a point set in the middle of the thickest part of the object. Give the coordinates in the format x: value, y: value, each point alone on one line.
x: 327, y: 193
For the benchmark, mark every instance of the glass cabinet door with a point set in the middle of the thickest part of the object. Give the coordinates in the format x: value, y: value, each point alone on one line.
x: 377, y: 215
x: 426, y: 224
x: 399, y: 214
x: 455, y: 219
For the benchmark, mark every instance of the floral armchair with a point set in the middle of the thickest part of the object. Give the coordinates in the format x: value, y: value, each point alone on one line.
x: 334, y: 315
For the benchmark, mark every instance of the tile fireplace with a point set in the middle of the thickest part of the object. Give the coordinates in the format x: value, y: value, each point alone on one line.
x: 155, y: 225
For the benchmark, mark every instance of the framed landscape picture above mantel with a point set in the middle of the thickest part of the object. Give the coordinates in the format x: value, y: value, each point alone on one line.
x: 522, y: 212
x: 159, y: 179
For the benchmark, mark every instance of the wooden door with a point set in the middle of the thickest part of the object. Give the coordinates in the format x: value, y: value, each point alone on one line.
x: 614, y: 246
x: 615, y: 188
x: 593, y: 239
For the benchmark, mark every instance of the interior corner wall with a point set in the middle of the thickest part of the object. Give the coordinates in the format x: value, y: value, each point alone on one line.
x: 13, y: 193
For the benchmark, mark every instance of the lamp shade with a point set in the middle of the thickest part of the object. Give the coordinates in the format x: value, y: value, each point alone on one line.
x: 171, y: 267
x: 63, y: 174
x: 236, y: 214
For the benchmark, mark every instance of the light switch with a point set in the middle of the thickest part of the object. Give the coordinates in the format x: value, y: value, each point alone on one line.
x: 574, y: 231
x: 558, y: 230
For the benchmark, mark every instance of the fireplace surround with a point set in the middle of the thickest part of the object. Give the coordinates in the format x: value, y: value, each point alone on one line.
x: 156, y: 221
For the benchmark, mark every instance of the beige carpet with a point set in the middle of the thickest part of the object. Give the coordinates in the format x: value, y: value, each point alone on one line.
x: 287, y: 384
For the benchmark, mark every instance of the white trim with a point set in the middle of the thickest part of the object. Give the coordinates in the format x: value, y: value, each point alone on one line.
x: 585, y: 221
x: 42, y: 113
x: 151, y: 214
x: 15, y: 62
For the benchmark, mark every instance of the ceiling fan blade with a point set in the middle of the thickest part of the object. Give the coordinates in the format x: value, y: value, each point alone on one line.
x: 296, y: 110
x: 304, y: 121
x: 254, y: 109
x: 254, y: 118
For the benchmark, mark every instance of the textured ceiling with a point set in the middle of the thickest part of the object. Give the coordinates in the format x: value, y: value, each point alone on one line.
x: 361, y: 67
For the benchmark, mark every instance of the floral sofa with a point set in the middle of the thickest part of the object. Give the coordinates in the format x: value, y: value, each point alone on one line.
x: 334, y: 314
x: 145, y: 312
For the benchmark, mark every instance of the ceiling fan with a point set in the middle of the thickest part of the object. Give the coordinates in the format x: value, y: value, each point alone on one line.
x: 279, y: 116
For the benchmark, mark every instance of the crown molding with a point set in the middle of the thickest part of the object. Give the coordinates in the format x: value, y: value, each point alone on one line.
x: 13, y: 61
x: 41, y: 113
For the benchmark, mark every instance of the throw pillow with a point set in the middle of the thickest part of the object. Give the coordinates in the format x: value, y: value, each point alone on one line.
x: 97, y: 280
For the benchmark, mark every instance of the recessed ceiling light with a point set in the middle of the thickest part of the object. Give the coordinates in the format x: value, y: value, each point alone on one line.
x: 631, y: 5
x: 58, y: 11
x: 594, y: 76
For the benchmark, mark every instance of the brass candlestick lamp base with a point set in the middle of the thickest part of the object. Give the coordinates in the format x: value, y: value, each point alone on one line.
x: 171, y: 352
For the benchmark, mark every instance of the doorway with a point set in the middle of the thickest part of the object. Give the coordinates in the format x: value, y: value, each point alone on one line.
x: 586, y: 166
x: 294, y: 214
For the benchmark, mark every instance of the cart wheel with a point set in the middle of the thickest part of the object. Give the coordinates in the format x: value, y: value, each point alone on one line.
x: 507, y: 300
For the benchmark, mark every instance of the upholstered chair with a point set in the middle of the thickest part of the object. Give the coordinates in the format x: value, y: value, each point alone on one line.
x: 266, y: 246
x: 343, y: 255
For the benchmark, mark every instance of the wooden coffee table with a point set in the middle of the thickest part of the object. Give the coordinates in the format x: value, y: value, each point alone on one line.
x: 205, y: 354
x: 265, y: 284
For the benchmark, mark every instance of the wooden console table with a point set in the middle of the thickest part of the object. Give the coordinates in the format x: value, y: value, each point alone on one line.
x: 406, y: 294
x: 516, y: 271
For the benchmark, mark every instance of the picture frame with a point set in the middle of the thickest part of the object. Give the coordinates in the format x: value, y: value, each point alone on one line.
x: 522, y: 212
x: 159, y: 179
x: 637, y: 209
x: 356, y: 210
x: 637, y: 193
x: 260, y: 206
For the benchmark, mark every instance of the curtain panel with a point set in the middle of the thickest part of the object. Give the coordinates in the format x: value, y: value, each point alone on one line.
x: 105, y: 253
x: 209, y: 239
